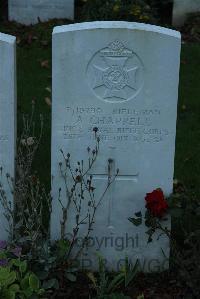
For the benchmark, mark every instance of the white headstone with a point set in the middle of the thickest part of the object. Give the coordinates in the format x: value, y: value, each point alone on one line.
x: 30, y: 11
x: 123, y: 79
x: 181, y: 8
x: 7, y: 119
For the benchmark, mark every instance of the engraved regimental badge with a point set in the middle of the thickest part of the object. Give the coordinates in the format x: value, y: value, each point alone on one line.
x: 115, y: 73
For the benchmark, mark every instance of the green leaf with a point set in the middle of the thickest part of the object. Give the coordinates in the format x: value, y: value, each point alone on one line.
x: 148, y: 222
x: 138, y: 214
x: 93, y: 279
x: 2, y: 255
x: 149, y: 239
x: 135, y: 221
x: 25, y: 282
x: 130, y: 273
x: 49, y: 284
x: 14, y: 287
x: 11, y: 278
x: 8, y: 294
x: 34, y: 282
x: 70, y: 276
x: 62, y: 247
x: 4, y: 273
x: 117, y: 280
x: 150, y: 231
x: 16, y: 262
x: 42, y: 275
x: 23, y: 267
x: 28, y: 292
x: 41, y: 292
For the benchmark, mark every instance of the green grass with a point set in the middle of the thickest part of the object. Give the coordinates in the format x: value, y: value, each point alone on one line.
x: 32, y: 83
x: 33, y: 80
x: 187, y: 159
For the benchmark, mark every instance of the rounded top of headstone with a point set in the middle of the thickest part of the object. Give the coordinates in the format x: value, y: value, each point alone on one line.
x: 116, y: 25
x: 7, y: 38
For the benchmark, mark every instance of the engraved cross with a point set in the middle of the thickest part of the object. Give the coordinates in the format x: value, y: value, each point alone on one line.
x: 109, y: 176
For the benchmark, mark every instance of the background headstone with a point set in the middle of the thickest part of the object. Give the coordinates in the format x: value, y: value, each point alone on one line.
x: 7, y: 119
x: 123, y: 79
x: 29, y: 11
x: 181, y: 8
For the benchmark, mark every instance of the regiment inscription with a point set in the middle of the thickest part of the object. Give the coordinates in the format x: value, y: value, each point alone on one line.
x: 117, y: 125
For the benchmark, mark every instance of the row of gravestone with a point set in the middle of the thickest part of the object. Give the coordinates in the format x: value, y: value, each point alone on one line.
x: 30, y: 11
x: 122, y: 79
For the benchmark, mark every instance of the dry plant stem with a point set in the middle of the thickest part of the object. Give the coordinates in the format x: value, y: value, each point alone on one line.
x: 25, y: 156
x: 69, y: 195
x: 173, y: 246
x: 8, y: 207
x: 91, y: 221
x: 29, y: 194
x: 76, y: 195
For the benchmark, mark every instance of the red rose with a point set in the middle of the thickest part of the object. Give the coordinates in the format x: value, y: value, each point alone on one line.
x: 156, y: 203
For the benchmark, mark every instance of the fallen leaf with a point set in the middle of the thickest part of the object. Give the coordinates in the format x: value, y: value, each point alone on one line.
x: 183, y: 61
x: 45, y: 64
x: 30, y: 38
x: 175, y: 181
x: 29, y: 141
x: 48, y: 89
x: 48, y: 101
x: 44, y: 43
x: 18, y: 40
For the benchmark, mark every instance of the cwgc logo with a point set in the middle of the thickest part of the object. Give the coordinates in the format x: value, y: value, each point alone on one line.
x: 115, y: 73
